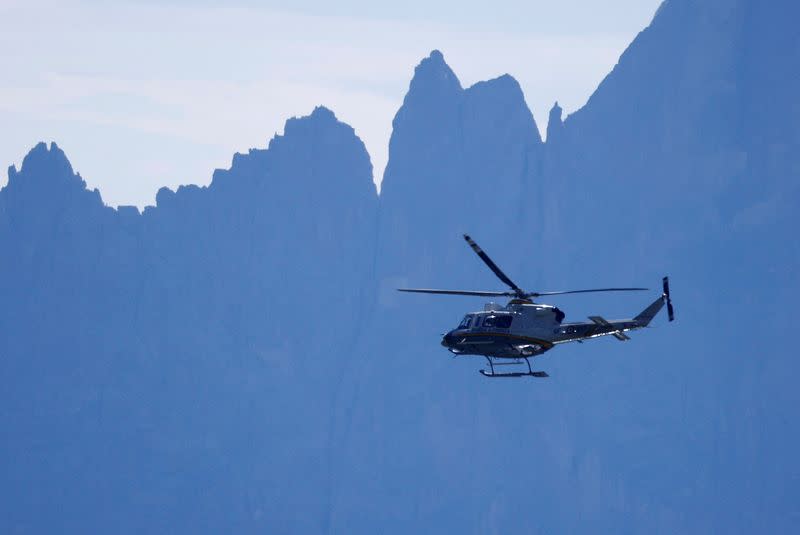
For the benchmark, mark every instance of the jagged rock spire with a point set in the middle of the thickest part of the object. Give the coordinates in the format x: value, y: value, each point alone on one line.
x: 555, y: 125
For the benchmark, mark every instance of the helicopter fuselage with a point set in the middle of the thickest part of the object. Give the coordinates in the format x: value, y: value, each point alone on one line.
x: 515, y: 331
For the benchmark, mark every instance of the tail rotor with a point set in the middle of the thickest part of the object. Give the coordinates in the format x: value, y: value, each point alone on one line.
x: 668, y: 300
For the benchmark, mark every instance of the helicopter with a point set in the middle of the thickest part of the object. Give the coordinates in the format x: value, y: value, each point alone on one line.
x: 510, y: 335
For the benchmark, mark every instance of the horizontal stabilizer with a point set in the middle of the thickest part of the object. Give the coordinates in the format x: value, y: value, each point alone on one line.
x: 600, y: 321
x: 616, y: 333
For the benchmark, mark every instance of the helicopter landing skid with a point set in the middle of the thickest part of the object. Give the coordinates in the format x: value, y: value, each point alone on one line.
x: 493, y: 373
x: 513, y: 374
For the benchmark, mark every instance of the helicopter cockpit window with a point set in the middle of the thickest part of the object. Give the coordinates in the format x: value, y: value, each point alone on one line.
x: 503, y: 322
x: 465, y: 322
x: 500, y: 322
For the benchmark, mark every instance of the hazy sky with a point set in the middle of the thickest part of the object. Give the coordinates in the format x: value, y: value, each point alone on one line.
x: 148, y: 94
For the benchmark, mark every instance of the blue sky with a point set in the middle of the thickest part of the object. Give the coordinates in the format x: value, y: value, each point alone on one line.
x: 143, y: 95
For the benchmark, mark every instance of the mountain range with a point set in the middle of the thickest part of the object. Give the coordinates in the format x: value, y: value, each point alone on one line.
x: 236, y: 358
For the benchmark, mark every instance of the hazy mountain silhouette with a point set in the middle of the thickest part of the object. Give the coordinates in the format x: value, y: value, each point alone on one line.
x: 153, y: 363
x: 685, y: 160
x: 236, y: 358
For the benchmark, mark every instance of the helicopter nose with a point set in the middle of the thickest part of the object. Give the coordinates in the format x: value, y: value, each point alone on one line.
x: 448, y: 339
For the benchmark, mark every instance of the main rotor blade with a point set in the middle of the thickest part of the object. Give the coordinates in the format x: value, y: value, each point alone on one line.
x: 455, y: 292
x: 497, y: 271
x: 539, y: 294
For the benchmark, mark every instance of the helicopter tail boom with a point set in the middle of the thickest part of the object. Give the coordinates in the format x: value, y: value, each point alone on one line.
x: 646, y: 316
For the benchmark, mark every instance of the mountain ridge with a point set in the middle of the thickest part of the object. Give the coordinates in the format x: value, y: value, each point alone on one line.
x: 238, y: 353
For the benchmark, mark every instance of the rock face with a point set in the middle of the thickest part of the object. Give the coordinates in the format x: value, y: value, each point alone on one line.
x: 456, y: 156
x: 151, y: 363
x: 674, y: 165
x: 236, y: 358
x: 460, y: 160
